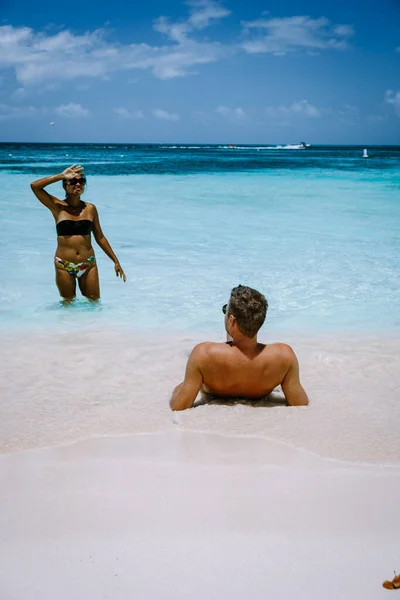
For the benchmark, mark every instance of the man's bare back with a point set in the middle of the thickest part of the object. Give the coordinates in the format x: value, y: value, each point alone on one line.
x: 229, y: 372
x: 243, y: 368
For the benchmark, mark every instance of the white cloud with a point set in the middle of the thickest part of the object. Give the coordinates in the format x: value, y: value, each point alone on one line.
x: 20, y: 112
x: 203, y: 14
x: 19, y: 94
x: 72, y: 110
x: 305, y: 108
x: 40, y: 56
x: 289, y: 34
x: 393, y: 99
x: 343, y: 30
x: 301, y: 108
x: 128, y: 114
x: 159, y: 113
x: 11, y: 37
x: 225, y: 111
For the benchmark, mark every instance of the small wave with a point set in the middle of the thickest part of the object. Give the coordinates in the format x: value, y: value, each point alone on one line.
x: 279, y: 147
x: 291, y: 147
x: 251, y: 147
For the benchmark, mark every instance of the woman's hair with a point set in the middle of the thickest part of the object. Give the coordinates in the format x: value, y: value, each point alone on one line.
x: 249, y: 308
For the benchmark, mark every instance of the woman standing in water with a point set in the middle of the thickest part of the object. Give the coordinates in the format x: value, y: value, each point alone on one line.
x: 75, y: 220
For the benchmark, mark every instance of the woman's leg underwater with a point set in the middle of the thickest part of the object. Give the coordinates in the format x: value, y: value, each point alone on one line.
x: 66, y: 284
x: 89, y: 283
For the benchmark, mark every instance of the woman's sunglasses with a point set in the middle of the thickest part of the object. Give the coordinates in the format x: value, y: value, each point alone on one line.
x: 225, y: 306
x: 75, y: 180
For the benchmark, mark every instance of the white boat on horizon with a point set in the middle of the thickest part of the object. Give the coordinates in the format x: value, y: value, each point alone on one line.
x: 365, y: 153
x: 300, y: 146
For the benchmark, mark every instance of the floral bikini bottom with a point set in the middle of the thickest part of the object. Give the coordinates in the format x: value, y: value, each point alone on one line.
x: 75, y: 269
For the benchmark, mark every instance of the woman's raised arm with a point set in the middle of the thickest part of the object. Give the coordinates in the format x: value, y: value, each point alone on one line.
x: 38, y: 186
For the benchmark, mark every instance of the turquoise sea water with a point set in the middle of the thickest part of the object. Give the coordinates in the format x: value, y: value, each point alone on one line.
x: 317, y: 230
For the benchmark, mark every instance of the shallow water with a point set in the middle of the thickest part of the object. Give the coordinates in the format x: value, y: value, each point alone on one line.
x: 315, y: 230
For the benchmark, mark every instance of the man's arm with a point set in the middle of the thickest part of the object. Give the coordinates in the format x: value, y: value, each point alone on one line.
x: 291, y: 386
x: 186, y: 392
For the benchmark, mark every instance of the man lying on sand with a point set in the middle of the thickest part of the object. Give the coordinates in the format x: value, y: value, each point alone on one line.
x: 242, y: 367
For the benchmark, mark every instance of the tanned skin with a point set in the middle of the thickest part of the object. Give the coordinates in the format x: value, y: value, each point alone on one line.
x: 242, y: 368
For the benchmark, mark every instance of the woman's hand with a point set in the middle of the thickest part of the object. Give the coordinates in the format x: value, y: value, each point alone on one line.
x: 72, y: 171
x: 119, y: 271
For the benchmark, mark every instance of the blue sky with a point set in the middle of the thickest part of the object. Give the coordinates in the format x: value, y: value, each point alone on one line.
x: 200, y: 71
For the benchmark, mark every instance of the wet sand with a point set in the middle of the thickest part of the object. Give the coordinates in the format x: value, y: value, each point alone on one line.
x: 58, y: 387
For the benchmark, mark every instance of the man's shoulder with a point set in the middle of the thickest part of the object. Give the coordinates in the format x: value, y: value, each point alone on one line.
x: 211, y: 350
x: 210, y: 346
x: 284, y: 351
x: 206, y: 348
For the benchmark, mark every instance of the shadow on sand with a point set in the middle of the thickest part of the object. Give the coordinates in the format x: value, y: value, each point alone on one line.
x: 275, y: 398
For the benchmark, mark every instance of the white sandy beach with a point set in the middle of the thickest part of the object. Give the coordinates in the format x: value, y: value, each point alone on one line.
x: 59, y: 387
x: 181, y: 515
x: 222, y: 501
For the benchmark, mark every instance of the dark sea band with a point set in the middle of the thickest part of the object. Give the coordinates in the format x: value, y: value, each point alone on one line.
x: 161, y: 159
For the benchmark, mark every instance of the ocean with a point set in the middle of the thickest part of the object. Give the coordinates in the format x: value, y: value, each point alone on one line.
x: 315, y: 229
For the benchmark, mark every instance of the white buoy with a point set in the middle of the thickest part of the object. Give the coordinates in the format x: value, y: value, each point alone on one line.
x: 365, y: 155
x: 52, y: 124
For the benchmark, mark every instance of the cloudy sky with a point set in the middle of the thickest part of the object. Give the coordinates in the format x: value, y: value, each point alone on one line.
x: 200, y: 71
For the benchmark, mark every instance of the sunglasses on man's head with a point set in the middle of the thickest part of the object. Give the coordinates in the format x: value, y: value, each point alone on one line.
x: 225, y: 306
x: 75, y: 180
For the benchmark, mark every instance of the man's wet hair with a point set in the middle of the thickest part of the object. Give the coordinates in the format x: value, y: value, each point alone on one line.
x: 249, y: 307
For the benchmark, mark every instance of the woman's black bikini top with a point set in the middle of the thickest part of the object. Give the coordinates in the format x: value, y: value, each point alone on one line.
x: 70, y: 227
